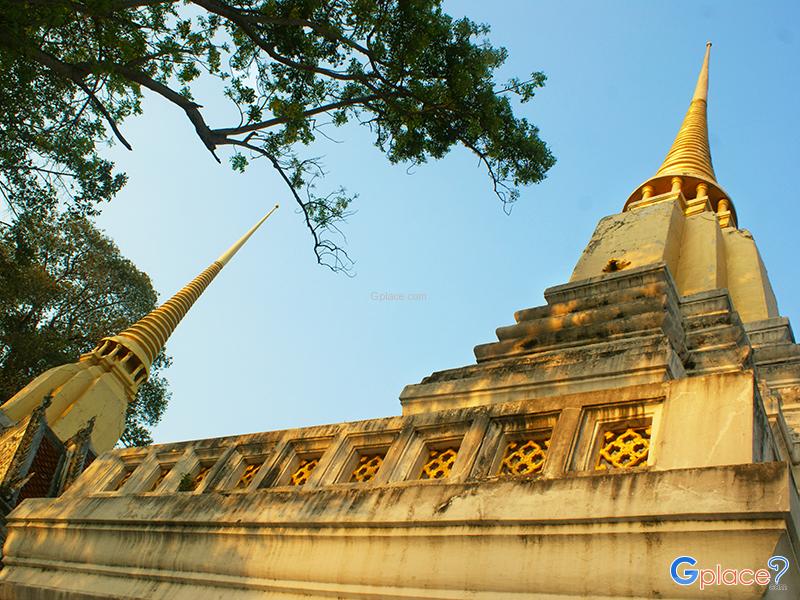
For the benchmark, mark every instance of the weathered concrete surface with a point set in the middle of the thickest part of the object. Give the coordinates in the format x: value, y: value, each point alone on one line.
x: 699, y: 251
x: 641, y: 237
x: 612, y: 331
x: 706, y: 490
x: 748, y: 282
x: 591, y: 536
x: 702, y: 263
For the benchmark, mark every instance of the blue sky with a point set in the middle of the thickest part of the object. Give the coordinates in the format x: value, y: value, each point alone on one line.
x: 278, y: 341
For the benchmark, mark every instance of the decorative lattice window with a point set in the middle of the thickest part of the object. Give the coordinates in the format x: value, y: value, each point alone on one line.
x: 124, y: 479
x: 250, y: 471
x: 201, y: 475
x: 303, y: 471
x: 164, y: 471
x: 367, y: 467
x: 440, y: 463
x: 524, y: 457
x: 624, y: 448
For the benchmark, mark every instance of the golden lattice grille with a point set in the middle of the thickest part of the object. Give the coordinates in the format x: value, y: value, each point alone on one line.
x: 124, y: 479
x: 624, y: 448
x: 303, y: 471
x: 161, y: 475
x: 439, y: 463
x: 250, y: 471
x: 367, y: 467
x: 524, y: 457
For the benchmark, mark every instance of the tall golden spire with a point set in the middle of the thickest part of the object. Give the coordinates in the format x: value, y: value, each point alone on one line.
x: 690, y: 153
x: 147, y: 337
x: 688, y: 167
x: 105, y: 380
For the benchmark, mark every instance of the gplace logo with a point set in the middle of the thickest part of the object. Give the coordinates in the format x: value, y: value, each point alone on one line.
x: 718, y: 576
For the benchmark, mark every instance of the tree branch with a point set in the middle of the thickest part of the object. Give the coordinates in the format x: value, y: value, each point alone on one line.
x: 241, y: 21
x: 308, y: 113
x: 322, y: 248
x: 191, y: 108
x: 325, y: 31
x: 78, y: 77
x: 126, y: 4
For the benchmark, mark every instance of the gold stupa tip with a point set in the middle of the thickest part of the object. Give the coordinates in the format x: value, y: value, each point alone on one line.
x: 146, y: 337
x: 687, y: 166
x: 228, y: 254
x: 701, y: 90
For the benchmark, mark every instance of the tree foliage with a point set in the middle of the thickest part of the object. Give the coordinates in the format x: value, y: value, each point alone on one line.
x: 63, y: 287
x: 422, y: 82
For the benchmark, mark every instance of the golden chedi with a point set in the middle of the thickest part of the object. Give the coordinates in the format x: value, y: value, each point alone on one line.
x: 102, y: 383
x: 638, y: 436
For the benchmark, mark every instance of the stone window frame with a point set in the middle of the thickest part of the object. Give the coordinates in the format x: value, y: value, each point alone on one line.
x: 144, y: 465
x: 505, y: 429
x: 296, y: 450
x: 147, y: 475
x: 232, y: 466
x: 423, y: 438
x: 197, y: 458
x: 596, y: 420
x: 346, y: 456
x: 121, y: 465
